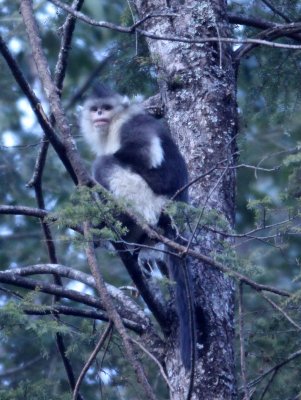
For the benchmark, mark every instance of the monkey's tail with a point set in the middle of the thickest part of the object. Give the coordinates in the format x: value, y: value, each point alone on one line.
x: 184, y: 299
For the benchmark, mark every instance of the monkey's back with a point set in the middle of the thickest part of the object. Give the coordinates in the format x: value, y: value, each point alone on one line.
x: 171, y: 174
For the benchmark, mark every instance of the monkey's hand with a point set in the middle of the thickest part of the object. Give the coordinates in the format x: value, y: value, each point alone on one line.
x: 152, y: 260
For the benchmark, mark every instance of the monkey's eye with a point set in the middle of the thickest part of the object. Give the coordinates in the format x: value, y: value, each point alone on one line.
x: 107, y: 107
x: 93, y: 108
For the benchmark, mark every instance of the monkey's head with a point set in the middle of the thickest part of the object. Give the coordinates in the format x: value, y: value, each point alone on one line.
x: 99, y: 111
x: 101, y: 107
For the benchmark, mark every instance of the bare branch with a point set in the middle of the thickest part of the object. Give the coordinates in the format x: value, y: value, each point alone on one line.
x: 37, y: 108
x: 92, y: 357
x: 275, y: 10
x: 153, y: 234
x: 274, y: 305
x: 275, y: 368
x: 285, y: 29
x: 272, y: 33
x: 211, y: 262
x: 258, y: 23
x: 51, y: 92
x: 22, y: 210
x: 268, y: 384
x: 109, y: 25
x: 88, y: 280
x: 67, y: 29
x: 9, y: 278
x: 74, y: 311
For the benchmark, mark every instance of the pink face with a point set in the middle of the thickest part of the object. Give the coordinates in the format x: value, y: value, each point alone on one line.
x: 101, y: 115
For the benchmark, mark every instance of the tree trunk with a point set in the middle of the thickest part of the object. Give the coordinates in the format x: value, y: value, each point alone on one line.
x: 198, y: 88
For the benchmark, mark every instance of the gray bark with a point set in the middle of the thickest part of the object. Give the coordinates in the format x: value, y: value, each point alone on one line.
x: 198, y: 88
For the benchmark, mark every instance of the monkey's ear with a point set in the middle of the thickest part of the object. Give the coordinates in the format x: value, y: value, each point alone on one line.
x: 138, y: 99
x: 125, y: 101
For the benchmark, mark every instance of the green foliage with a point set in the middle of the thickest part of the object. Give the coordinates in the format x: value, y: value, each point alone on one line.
x: 39, y: 390
x: 95, y: 206
x: 183, y: 213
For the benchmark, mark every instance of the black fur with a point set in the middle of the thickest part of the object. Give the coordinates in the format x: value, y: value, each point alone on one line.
x: 171, y: 175
x: 102, y: 169
x: 100, y: 90
x: 180, y: 273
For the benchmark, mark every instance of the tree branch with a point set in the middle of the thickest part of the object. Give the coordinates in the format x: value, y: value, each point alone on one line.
x: 114, y: 315
x: 109, y: 25
x: 37, y: 108
x: 275, y: 10
x: 209, y: 261
x: 153, y: 234
x: 88, y: 280
x: 286, y: 316
x: 275, y: 32
x: 50, y: 288
x: 275, y: 368
x: 18, y: 370
x: 65, y: 46
x: 133, y: 29
x: 23, y: 210
x: 258, y: 23
x: 92, y: 357
x: 51, y: 93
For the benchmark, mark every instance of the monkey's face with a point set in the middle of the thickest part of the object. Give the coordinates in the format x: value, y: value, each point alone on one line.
x: 101, y: 114
x: 102, y: 111
x: 97, y: 117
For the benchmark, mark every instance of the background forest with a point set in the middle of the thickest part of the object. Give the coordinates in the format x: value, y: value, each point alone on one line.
x: 266, y: 239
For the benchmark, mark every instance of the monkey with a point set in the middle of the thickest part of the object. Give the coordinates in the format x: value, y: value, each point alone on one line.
x: 138, y: 161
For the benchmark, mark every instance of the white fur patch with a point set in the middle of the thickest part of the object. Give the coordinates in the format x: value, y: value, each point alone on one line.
x: 132, y: 188
x: 156, y: 152
x: 95, y: 137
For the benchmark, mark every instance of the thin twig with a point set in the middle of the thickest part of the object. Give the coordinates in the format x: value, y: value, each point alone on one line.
x: 90, y: 360
x: 154, y: 359
x: 269, y: 383
x: 259, y: 378
x: 6, y: 373
x: 274, y: 305
x: 275, y: 10
x: 65, y: 46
